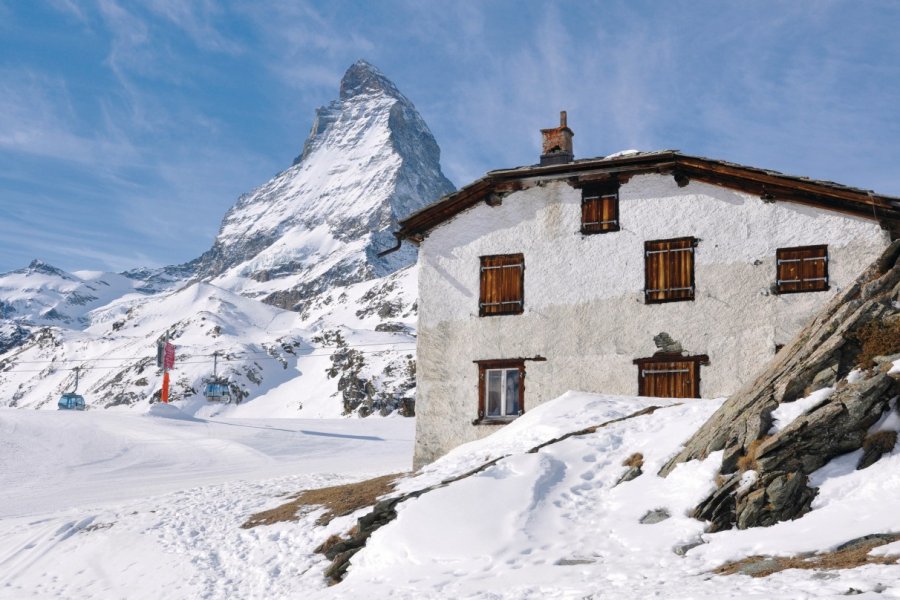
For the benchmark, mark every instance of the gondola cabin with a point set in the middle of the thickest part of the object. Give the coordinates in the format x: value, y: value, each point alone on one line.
x: 217, y: 392
x: 71, y: 401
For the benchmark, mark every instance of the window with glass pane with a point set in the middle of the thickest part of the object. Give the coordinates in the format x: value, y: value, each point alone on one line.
x: 512, y: 392
x: 494, y: 392
x: 502, y: 390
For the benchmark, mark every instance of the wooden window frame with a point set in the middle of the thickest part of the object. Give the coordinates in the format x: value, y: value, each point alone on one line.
x: 671, y: 357
x: 492, y: 365
x: 649, y: 290
x: 825, y: 280
x: 505, y: 306
x: 593, y: 196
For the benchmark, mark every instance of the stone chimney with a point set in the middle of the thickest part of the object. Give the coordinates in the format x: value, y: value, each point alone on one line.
x: 557, y: 143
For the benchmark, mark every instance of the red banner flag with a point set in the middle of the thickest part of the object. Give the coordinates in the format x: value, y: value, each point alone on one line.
x: 169, y: 356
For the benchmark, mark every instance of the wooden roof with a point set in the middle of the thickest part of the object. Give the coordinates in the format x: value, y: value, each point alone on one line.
x: 768, y: 185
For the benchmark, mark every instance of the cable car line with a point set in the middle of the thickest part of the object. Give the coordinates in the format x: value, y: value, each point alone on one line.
x: 238, y: 352
x: 183, y: 362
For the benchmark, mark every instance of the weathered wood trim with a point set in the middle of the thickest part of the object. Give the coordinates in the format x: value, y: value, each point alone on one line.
x: 770, y: 185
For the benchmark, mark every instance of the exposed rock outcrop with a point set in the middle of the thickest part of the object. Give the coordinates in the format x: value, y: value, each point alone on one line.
x: 860, y: 321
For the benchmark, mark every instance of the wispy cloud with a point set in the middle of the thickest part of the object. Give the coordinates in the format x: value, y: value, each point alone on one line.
x: 198, y: 19
x: 302, y: 46
x: 37, y: 117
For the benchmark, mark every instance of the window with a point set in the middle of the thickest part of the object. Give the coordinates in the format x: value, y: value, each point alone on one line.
x: 666, y: 375
x: 669, y: 270
x: 502, y: 285
x: 801, y: 269
x: 501, y: 385
x: 600, y: 208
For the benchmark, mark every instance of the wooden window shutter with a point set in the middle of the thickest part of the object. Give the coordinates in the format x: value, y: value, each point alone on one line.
x: 600, y: 208
x: 801, y: 269
x: 669, y: 270
x: 670, y: 375
x: 502, y: 285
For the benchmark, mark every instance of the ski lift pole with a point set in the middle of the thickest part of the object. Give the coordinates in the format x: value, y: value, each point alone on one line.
x: 77, y: 369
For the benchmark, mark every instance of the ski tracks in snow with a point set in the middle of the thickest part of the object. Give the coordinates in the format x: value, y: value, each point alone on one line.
x: 187, y: 544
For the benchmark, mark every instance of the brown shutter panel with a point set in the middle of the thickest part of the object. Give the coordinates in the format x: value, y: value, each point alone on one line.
x: 664, y: 377
x: 815, y: 269
x: 600, y: 207
x: 669, y: 269
x: 502, y: 284
x: 801, y: 269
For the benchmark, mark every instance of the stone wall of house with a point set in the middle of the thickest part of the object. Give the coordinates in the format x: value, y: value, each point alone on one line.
x: 584, y: 305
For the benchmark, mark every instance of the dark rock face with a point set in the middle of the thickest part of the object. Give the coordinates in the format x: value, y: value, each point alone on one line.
x: 12, y: 335
x: 823, y: 353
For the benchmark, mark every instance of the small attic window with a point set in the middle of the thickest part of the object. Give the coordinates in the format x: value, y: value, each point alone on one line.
x: 801, y: 269
x: 502, y: 285
x: 600, y: 208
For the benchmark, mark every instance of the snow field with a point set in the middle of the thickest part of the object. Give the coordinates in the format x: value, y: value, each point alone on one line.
x: 118, y: 505
x: 553, y: 524
x: 151, y: 506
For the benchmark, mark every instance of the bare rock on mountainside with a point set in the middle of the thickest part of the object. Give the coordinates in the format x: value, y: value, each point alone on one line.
x: 765, y: 473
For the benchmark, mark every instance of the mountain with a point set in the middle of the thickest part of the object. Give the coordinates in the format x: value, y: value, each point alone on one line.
x: 304, y: 317
x: 41, y: 294
x: 368, y: 161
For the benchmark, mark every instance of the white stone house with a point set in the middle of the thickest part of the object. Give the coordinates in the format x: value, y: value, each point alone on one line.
x: 542, y: 279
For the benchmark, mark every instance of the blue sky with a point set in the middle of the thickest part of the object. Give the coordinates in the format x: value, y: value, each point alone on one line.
x: 127, y: 129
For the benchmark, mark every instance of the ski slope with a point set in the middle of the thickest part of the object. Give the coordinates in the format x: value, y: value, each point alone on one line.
x: 55, y: 460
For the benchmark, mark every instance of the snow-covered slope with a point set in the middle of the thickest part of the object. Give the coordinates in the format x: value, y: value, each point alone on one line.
x: 277, y: 365
x: 554, y: 523
x: 306, y: 241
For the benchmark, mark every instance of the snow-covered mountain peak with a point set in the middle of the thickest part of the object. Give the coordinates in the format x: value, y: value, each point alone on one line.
x: 38, y: 266
x: 369, y: 161
x: 364, y: 78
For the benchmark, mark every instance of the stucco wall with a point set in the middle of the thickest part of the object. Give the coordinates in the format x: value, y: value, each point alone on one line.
x: 584, y: 306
